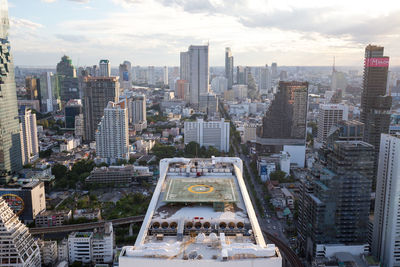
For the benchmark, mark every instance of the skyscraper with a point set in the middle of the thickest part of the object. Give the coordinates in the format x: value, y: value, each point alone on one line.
x: 29, y: 138
x: 285, y: 121
x: 112, y: 135
x: 10, y: 142
x: 329, y: 115
x: 125, y: 75
x: 165, y: 75
x: 104, y: 68
x: 32, y: 85
x: 139, y: 110
x: 184, y: 66
x: 198, y: 72
x: 49, y: 92
x: 334, y: 199
x: 264, y: 81
x: 151, y: 79
x: 385, y: 237
x: 229, y: 67
x: 18, y: 248
x: 97, y: 92
x: 274, y: 70
x: 375, y: 103
x: 65, y: 67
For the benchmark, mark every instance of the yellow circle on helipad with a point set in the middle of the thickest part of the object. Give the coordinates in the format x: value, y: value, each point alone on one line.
x: 200, y: 189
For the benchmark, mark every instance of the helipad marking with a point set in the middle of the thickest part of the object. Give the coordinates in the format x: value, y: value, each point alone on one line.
x: 200, y: 188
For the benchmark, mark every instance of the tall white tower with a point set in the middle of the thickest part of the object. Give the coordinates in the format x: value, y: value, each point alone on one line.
x: 165, y: 75
x: 385, y: 237
x: 17, y: 247
x: 29, y: 139
x: 112, y: 135
x: 105, y: 68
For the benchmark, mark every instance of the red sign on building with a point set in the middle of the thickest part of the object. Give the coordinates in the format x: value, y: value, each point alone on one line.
x: 377, y: 62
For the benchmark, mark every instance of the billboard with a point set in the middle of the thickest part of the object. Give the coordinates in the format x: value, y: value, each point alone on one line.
x: 377, y: 62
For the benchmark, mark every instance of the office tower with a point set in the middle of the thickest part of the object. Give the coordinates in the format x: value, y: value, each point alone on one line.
x: 375, y: 103
x: 65, y: 67
x: 139, y: 109
x: 10, y: 143
x: 208, y: 104
x: 68, y: 82
x: 32, y: 86
x: 104, y: 68
x: 329, y: 115
x: 79, y: 126
x: 49, y: 92
x: 97, y: 92
x: 241, y: 77
x: 29, y: 138
x: 204, y: 225
x: 125, y: 75
x: 72, y: 109
x: 184, y: 66
x: 285, y: 121
x: 229, y: 67
x: 165, y: 75
x: 274, y: 70
x: 198, y: 72
x: 18, y: 248
x: 219, y: 85
x: 346, y: 131
x: 112, y: 135
x: 385, y: 237
x: 264, y: 82
x: 208, y: 133
x: 334, y: 199
x: 151, y: 79
x: 182, y: 90
x: 92, y: 247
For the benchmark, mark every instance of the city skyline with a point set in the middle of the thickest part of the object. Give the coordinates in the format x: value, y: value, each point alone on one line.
x: 258, y: 33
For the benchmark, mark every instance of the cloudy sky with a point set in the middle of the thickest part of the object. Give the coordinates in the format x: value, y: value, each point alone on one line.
x: 153, y: 32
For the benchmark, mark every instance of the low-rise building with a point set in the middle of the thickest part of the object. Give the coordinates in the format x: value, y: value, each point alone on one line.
x: 92, y: 247
x: 48, y: 252
x: 52, y: 218
x: 89, y: 214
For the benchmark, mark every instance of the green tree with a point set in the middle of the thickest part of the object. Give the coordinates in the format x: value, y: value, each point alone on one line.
x: 59, y: 171
x: 278, y: 176
x: 192, y: 150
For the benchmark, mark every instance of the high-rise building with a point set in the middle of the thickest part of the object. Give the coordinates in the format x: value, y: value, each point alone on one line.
x: 219, y: 85
x: 68, y: 82
x: 375, y: 103
x: 285, y: 121
x: 112, y: 135
x: 48, y: 252
x: 208, y: 133
x: 104, y: 68
x: 200, y: 213
x: 329, y: 115
x: 125, y: 75
x: 97, y: 92
x: 241, y: 75
x: 17, y: 248
x: 184, y: 66
x: 208, y: 103
x: 229, y: 67
x: 49, y: 92
x: 151, y: 79
x: 240, y: 91
x: 274, y: 70
x: 385, y: 237
x: 182, y: 90
x: 198, y: 72
x: 32, y: 86
x: 165, y: 75
x: 139, y: 109
x: 334, y: 199
x: 10, y: 143
x: 264, y: 81
x: 65, y: 67
x: 72, y: 109
x: 29, y: 138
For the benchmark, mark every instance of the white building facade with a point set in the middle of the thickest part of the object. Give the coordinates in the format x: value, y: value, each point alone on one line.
x: 29, y: 137
x: 385, y: 237
x: 112, y: 135
x: 208, y: 133
x: 330, y: 115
